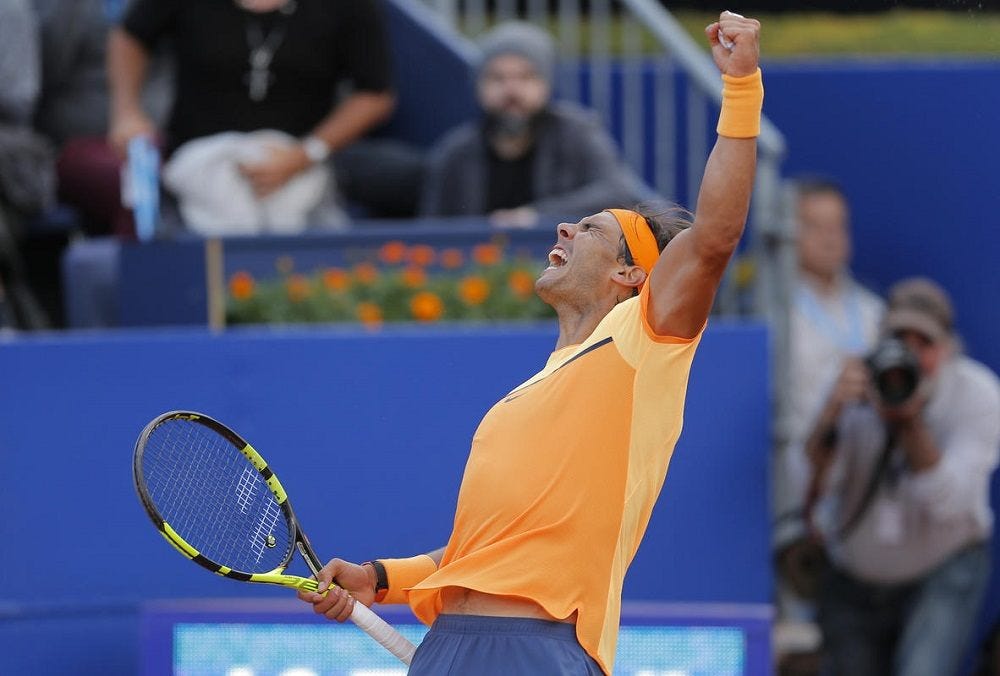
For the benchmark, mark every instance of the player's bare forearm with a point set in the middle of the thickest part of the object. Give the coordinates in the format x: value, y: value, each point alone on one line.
x: 684, y: 281
x: 724, y: 199
x: 688, y: 273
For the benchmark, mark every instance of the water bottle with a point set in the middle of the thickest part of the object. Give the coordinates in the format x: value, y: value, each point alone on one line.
x: 141, y: 186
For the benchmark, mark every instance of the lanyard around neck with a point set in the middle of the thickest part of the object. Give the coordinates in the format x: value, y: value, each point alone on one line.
x: 262, y: 48
x: 850, y: 338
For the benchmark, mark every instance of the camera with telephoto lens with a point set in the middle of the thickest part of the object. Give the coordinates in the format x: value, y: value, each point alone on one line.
x: 895, y: 371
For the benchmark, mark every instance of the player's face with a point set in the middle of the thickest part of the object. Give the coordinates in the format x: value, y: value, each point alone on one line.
x: 824, y: 240
x: 583, y: 261
x: 510, y: 87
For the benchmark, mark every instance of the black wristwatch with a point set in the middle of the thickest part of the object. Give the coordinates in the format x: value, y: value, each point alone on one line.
x: 381, y: 579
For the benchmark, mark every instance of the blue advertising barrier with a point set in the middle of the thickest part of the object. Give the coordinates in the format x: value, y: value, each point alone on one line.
x: 259, y: 638
x: 369, y: 433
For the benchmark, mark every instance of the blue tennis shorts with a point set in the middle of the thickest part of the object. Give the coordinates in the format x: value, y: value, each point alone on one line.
x: 462, y: 645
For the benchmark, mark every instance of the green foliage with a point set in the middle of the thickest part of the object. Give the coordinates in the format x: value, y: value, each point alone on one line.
x: 898, y: 32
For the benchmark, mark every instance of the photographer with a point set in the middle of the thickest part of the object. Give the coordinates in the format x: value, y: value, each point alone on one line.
x: 902, y: 455
x: 832, y: 317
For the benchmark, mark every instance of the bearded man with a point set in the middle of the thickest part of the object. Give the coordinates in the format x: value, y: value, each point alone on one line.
x: 526, y: 156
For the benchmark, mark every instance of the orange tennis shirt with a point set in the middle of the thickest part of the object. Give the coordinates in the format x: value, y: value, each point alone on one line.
x: 562, y: 478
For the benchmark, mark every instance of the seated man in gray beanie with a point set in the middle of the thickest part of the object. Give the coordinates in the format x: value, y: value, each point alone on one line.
x: 526, y: 156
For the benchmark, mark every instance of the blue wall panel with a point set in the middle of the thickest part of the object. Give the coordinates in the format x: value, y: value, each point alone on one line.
x: 427, y: 60
x: 381, y: 422
x: 913, y: 143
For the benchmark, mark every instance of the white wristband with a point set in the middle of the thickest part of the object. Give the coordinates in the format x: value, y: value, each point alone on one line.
x: 316, y: 149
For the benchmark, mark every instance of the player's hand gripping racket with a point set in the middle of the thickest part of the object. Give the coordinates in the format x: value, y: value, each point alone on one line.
x: 214, y: 498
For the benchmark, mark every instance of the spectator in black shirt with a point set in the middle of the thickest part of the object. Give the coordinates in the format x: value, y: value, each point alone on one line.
x: 247, y: 65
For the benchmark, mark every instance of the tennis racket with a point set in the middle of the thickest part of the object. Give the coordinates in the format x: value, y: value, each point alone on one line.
x: 213, y: 497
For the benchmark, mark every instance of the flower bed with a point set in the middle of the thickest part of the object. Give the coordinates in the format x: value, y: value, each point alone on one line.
x: 398, y: 282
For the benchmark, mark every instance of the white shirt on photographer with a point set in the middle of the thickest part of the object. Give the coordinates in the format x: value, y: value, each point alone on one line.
x: 825, y: 329
x: 917, y: 520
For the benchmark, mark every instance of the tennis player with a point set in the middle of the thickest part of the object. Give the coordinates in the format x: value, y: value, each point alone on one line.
x: 565, y: 469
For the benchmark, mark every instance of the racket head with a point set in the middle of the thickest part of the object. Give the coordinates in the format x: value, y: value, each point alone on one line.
x: 214, y: 498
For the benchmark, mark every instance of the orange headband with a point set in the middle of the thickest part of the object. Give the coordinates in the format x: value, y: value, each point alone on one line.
x: 639, y: 238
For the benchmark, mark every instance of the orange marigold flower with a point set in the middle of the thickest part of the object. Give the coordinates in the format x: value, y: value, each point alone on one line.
x: 298, y: 288
x: 336, y: 279
x: 426, y: 307
x: 414, y: 277
x: 392, y: 252
x: 366, y: 273
x: 487, y: 254
x: 422, y: 255
x: 241, y: 286
x: 369, y: 314
x: 452, y: 258
x: 474, y: 290
x: 521, y: 283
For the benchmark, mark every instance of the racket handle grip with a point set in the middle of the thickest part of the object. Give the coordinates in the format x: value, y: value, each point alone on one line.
x: 378, y: 629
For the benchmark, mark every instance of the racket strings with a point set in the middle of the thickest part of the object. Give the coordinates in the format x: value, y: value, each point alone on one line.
x: 245, y: 490
x: 210, y: 494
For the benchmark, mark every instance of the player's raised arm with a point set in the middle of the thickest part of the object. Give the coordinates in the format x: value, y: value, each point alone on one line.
x: 687, y: 275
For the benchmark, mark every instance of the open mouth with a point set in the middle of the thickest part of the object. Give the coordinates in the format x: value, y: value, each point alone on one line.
x: 557, y: 258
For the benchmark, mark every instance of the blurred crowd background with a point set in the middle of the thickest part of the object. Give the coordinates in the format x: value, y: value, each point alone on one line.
x: 410, y: 146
